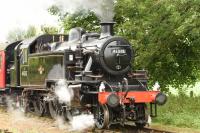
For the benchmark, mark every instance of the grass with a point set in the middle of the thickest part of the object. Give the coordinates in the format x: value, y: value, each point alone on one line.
x: 180, y: 111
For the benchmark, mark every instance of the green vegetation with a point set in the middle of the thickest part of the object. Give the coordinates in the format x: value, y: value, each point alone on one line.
x: 49, y: 29
x: 181, y: 111
x: 19, y: 34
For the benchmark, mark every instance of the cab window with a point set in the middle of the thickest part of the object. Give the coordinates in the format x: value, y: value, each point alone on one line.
x: 23, y: 56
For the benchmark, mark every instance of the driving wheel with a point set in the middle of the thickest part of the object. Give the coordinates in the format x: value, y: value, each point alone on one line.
x: 38, y: 107
x: 53, y: 109
x: 102, y: 116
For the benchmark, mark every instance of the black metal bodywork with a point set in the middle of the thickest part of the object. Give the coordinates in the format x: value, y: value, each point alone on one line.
x: 29, y: 55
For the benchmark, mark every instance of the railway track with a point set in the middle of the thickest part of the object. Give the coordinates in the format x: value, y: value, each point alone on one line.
x: 128, y: 128
x: 114, y: 128
x: 151, y: 130
x: 132, y: 130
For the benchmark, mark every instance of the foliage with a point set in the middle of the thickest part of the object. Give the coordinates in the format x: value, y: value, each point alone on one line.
x: 81, y: 18
x: 182, y: 111
x: 165, y: 35
x: 84, y: 19
x: 30, y: 32
x: 54, y: 10
x: 49, y: 29
x: 19, y: 34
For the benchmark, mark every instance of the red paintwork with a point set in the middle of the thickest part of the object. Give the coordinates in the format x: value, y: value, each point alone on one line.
x: 2, y: 70
x: 139, y: 96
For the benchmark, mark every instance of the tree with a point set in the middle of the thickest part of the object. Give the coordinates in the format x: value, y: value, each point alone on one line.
x: 30, y: 32
x: 15, y: 35
x: 49, y: 29
x: 165, y: 34
x: 19, y: 34
x: 83, y: 18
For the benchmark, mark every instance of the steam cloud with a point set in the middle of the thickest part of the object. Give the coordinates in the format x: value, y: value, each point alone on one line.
x: 82, y: 122
x: 65, y: 95
x: 60, y: 122
x: 16, y: 113
x: 56, y: 72
x: 104, y: 9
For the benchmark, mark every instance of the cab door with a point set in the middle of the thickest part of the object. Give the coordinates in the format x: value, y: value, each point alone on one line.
x: 2, y: 70
x: 24, y: 81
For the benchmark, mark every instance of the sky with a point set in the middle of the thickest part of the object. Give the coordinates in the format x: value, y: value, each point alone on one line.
x: 22, y: 13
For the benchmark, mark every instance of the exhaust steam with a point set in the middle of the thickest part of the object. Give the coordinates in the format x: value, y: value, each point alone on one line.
x: 16, y: 113
x: 104, y: 9
x: 82, y: 122
x: 65, y: 95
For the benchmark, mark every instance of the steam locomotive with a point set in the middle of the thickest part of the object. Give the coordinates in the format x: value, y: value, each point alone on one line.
x: 96, y: 67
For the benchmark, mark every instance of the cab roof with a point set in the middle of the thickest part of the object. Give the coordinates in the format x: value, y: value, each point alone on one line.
x: 42, y: 39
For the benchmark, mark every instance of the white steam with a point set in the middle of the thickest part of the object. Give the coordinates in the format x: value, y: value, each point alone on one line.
x: 156, y: 86
x: 104, y: 9
x: 82, y: 122
x: 65, y: 94
x: 15, y: 111
x: 56, y: 72
x: 60, y: 122
x: 149, y: 120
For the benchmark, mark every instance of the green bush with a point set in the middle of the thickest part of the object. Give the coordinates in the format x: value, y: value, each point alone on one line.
x: 181, y: 111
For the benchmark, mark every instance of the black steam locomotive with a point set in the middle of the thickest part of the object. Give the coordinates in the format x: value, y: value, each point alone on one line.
x: 96, y: 67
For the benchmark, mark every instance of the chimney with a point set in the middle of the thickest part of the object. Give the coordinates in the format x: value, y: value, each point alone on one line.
x: 107, y: 29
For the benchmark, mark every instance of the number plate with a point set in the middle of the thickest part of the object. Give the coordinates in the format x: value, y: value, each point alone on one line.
x: 119, y: 51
